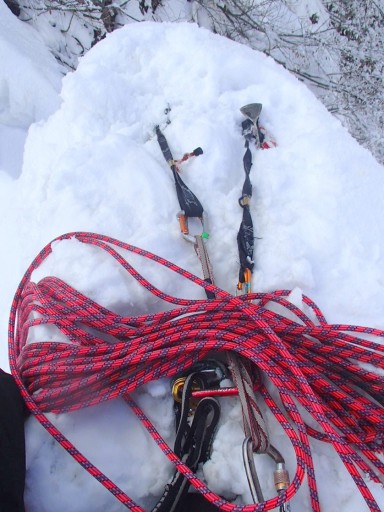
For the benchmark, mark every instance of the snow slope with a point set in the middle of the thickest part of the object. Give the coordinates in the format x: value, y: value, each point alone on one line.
x: 29, y: 83
x: 95, y: 165
x: 29, y: 75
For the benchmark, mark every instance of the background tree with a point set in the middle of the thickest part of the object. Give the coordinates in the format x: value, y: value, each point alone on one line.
x: 71, y: 27
x: 335, y: 47
x: 357, y: 92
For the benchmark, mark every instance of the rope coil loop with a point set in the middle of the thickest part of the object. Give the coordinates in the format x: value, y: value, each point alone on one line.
x: 313, y: 366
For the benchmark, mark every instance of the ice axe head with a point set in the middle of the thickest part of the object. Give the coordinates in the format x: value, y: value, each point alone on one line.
x: 252, y: 111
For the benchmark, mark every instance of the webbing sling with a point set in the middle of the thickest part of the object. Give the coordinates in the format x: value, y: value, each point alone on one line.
x: 245, y: 236
x: 189, y: 203
x: 190, y: 208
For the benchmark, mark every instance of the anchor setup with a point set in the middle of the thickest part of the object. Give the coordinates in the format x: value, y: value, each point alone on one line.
x: 256, y: 435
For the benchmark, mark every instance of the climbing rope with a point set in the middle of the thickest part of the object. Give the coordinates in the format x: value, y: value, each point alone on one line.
x: 314, y: 366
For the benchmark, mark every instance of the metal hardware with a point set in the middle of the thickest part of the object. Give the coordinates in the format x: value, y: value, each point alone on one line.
x: 184, y: 227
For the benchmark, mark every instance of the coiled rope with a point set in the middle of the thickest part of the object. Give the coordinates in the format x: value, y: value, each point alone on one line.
x: 313, y: 365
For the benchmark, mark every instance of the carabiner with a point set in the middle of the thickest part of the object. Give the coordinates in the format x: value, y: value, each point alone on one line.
x: 245, y: 287
x: 250, y: 471
x: 184, y: 228
x: 280, y: 475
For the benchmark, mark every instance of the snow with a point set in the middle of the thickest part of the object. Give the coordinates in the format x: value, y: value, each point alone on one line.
x: 29, y: 86
x: 95, y: 165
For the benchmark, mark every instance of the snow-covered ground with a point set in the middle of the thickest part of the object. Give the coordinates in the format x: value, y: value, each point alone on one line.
x: 29, y: 86
x: 95, y: 165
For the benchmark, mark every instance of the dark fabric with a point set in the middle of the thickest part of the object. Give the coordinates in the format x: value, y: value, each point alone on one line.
x: 188, y: 202
x: 14, y: 6
x: 245, y: 243
x: 196, y: 503
x: 12, y: 446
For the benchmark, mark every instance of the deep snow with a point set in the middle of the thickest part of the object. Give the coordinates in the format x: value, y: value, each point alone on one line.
x: 29, y: 86
x: 95, y: 165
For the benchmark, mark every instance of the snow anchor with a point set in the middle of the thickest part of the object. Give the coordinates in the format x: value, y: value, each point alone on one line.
x: 245, y: 242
